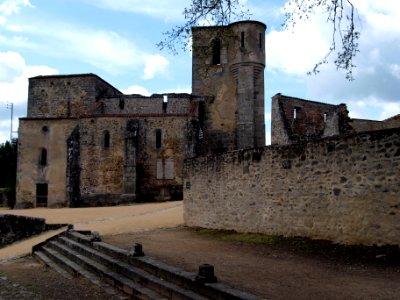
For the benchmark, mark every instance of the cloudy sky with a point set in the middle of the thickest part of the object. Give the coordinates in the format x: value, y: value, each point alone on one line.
x: 116, y: 39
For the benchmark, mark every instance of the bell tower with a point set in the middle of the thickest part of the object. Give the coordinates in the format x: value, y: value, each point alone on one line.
x: 228, y: 66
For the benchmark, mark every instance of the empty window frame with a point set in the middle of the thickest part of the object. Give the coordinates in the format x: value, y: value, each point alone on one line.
x: 242, y: 39
x: 216, y: 52
x: 43, y: 157
x: 106, y: 139
x: 158, y: 138
x: 260, y: 41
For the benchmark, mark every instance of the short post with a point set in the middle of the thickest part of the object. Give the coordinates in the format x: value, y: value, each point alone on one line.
x: 137, y: 250
x: 206, y: 274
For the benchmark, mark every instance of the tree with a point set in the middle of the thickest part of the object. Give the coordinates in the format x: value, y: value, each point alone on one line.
x: 8, y: 169
x: 340, y: 13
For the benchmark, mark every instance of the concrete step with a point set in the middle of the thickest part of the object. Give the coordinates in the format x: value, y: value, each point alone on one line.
x: 111, y: 278
x: 48, y: 262
x: 141, y: 277
x: 160, y: 285
x: 76, y: 270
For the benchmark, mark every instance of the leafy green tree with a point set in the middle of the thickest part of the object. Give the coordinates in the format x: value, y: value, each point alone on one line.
x: 339, y: 13
x: 8, y: 169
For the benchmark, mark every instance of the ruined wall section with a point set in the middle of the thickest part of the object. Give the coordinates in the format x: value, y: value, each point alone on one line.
x: 177, y: 104
x: 34, y: 136
x: 160, y: 166
x: 296, y: 120
x: 341, y: 189
x: 64, y: 96
x: 102, y: 166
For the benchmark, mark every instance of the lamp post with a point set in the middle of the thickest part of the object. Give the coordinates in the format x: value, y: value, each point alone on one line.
x: 10, y: 106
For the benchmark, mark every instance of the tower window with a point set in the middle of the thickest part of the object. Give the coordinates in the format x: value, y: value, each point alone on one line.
x: 216, y: 52
x: 296, y: 111
x: 165, y: 103
x: 158, y: 138
x: 242, y: 39
x: 325, y: 117
x: 106, y: 139
x: 43, y: 157
x: 260, y: 40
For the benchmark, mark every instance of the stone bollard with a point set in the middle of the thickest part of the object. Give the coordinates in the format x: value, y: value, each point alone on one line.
x: 206, y: 274
x: 95, y: 237
x: 137, y: 250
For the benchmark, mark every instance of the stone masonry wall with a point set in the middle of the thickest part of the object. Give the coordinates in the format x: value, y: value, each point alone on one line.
x: 342, y: 189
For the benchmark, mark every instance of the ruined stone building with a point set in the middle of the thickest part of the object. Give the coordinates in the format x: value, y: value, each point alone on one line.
x: 84, y: 142
x: 297, y: 120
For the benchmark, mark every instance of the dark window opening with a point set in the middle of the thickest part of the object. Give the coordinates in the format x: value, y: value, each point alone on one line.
x: 45, y: 129
x: 43, y: 157
x: 106, y: 139
x: 260, y: 40
x: 216, y: 52
x: 41, y: 194
x: 242, y: 39
x: 158, y: 139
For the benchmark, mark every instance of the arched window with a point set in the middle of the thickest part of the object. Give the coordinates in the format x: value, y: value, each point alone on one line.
x: 158, y: 138
x: 216, y: 52
x: 43, y: 157
x: 106, y: 139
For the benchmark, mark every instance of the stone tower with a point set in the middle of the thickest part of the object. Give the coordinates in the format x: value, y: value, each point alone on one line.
x: 228, y: 65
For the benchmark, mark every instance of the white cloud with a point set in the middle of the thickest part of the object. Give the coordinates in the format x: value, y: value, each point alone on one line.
x: 167, y: 10
x: 395, y: 70
x: 136, y: 89
x: 373, y: 108
x: 106, y: 50
x: 154, y: 65
x: 10, y: 7
x: 14, y: 74
x: 296, y: 52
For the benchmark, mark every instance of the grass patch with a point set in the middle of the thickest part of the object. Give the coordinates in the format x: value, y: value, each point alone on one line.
x: 352, y: 254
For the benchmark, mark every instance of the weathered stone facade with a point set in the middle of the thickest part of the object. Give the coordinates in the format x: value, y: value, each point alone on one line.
x: 83, y: 142
x: 228, y: 64
x: 343, y: 188
x: 296, y: 120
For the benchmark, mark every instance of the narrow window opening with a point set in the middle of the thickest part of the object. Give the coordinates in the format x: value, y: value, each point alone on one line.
x: 242, y: 39
x: 43, y: 157
x: 106, y: 139
x: 158, y: 139
x: 165, y: 103
x: 325, y: 117
x: 216, y: 52
x: 260, y: 40
x: 296, y: 113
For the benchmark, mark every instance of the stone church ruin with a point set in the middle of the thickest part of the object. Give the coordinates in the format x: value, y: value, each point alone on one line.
x: 84, y: 143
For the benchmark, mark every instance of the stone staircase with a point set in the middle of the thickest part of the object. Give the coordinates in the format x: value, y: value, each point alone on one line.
x: 129, y: 273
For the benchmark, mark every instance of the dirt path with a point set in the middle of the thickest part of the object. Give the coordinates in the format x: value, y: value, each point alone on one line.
x: 105, y: 220
x: 269, y: 271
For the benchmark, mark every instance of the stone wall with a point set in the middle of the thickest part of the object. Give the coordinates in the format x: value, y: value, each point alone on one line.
x: 344, y: 189
x: 34, y: 135
x: 63, y: 96
x: 14, y: 228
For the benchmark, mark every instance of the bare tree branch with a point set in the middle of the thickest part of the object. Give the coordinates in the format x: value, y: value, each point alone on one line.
x: 340, y: 13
